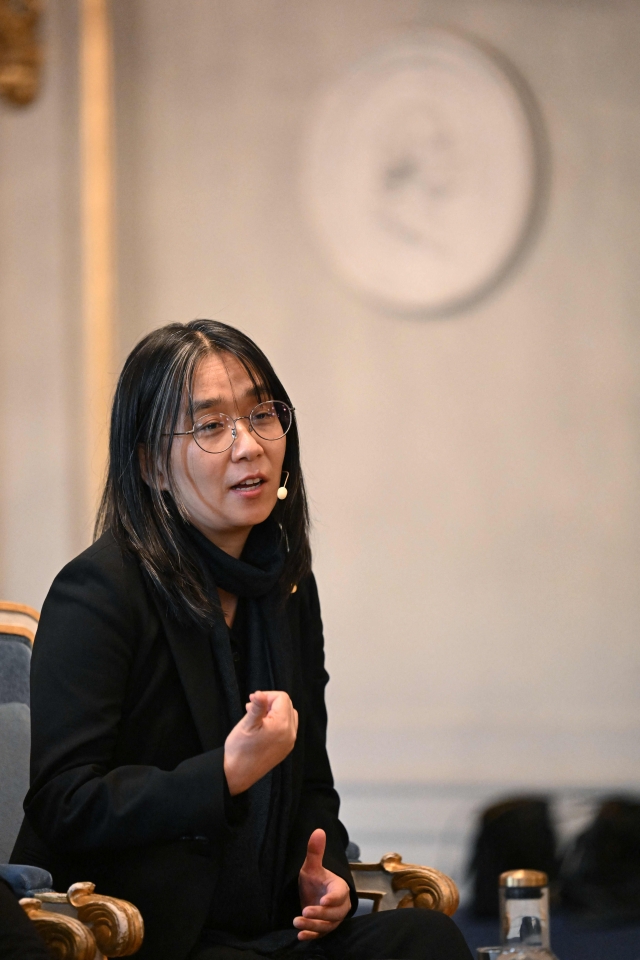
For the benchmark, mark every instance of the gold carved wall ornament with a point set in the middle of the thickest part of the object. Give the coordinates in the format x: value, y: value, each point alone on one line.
x: 20, y: 51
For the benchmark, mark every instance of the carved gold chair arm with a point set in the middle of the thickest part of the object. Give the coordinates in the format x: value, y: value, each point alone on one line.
x: 115, y: 926
x: 65, y: 937
x: 392, y: 884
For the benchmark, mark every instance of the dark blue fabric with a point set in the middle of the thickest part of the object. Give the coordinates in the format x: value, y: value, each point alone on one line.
x: 24, y: 880
x: 15, y: 734
x: 571, y: 939
x: 16, y: 638
x: 15, y: 663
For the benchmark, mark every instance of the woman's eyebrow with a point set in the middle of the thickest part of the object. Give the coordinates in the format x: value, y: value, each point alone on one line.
x: 206, y: 404
x: 209, y: 402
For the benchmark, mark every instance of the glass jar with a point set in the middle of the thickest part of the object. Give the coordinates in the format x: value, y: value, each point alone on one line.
x: 524, y: 916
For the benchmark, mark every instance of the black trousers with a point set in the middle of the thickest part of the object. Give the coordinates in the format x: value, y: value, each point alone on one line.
x: 391, y: 935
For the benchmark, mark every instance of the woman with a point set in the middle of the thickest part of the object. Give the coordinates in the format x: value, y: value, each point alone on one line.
x: 149, y: 776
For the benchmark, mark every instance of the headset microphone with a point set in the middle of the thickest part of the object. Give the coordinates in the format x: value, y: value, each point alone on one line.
x: 282, y: 491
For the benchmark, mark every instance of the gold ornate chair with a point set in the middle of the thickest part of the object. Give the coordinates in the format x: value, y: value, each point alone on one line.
x: 82, y: 925
x: 19, y: 620
x: 79, y: 924
x: 392, y: 884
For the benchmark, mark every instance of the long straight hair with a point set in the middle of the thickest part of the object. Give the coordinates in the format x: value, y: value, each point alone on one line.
x: 153, y: 523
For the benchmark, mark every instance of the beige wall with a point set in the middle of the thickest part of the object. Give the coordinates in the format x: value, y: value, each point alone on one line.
x: 479, y: 572
x: 40, y: 528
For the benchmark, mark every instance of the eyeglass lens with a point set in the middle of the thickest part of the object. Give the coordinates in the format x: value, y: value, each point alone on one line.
x: 270, y: 421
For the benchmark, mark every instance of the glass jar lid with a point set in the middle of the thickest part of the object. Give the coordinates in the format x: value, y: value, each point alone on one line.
x: 523, y: 878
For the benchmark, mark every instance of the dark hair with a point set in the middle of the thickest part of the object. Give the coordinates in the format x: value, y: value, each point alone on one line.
x: 153, y: 523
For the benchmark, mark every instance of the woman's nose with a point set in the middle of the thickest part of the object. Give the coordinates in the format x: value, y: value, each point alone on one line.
x: 247, y: 443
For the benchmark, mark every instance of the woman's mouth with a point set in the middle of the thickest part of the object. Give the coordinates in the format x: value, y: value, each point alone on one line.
x: 249, y: 487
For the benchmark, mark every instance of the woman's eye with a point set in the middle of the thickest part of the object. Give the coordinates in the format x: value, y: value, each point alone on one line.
x: 212, y: 426
x: 265, y: 412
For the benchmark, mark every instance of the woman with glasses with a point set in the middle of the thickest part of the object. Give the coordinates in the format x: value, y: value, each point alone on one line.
x: 178, y: 718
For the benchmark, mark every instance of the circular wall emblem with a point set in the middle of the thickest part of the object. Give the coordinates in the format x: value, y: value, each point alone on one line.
x: 421, y: 171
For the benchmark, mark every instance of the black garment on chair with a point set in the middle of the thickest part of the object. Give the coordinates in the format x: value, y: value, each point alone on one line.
x: 601, y: 869
x: 512, y: 835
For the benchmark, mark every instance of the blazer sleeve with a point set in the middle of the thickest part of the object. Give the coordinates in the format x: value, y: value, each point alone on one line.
x: 319, y: 802
x: 82, y: 658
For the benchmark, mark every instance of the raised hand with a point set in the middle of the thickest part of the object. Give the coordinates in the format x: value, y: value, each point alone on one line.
x: 261, y: 740
x: 325, y: 897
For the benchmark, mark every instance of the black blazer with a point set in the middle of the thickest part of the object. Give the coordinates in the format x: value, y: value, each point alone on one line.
x: 127, y: 780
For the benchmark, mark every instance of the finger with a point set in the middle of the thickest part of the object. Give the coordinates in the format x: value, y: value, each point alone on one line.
x: 260, y: 696
x: 268, y: 697
x: 315, y: 852
x: 312, y: 935
x: 257, y: 709
x: 295, y: 721
x: 320, y: 927
x: 324, y: 913
x: 280, y: 703
x: 335, y: 898
x: 272, y: 695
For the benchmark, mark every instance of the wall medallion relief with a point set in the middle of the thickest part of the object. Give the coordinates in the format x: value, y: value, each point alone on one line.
x: 422, y: 173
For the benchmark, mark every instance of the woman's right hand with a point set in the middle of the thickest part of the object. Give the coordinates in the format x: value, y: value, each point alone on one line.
x: 261, y: 740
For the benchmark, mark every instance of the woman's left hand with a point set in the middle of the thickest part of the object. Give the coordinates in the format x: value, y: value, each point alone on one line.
x: 324, y: 896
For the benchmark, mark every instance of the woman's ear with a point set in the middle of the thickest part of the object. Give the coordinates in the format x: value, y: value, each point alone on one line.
x: 144, y: 469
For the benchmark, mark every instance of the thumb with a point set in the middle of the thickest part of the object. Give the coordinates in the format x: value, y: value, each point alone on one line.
x: 257, y: 709
x: 315, y: 852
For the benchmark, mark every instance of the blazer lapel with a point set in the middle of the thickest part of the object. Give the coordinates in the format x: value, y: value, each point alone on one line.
x: 191, y: 649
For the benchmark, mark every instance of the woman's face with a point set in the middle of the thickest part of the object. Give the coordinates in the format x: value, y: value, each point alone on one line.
x: 210, y: 484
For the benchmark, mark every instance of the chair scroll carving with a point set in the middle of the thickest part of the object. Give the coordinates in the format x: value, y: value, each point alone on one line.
x: 428, y: 888
x: 116, y: 924
x: 89, y: 926
x: 392, y: 884
x: 65, y: 937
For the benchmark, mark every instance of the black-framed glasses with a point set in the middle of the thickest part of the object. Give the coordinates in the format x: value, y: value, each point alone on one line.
x: 216, y: 432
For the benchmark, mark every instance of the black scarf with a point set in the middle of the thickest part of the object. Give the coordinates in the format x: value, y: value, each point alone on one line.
x: 250, y: 887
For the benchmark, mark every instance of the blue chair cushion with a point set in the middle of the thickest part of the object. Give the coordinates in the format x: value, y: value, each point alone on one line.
x: 16, y: 638
x: 25, y: 881
x: 15, y: 741
x: 15, y: 664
